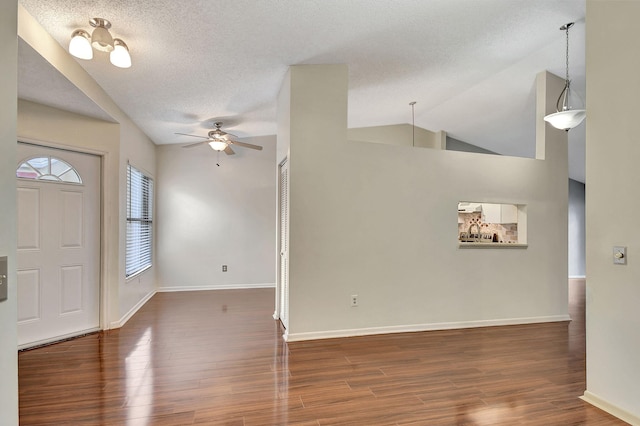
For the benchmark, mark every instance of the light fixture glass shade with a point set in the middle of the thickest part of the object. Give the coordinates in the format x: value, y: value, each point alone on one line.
x: 218, y: 145
x: 566, y: 120
x: 119, y: 56
x: 80, y: 46
x: 101, y: 39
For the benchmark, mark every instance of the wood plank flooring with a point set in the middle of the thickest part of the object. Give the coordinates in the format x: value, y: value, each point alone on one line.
x: 217, y: 358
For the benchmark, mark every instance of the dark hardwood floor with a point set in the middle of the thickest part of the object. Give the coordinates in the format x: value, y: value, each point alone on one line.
x: 217, y: 358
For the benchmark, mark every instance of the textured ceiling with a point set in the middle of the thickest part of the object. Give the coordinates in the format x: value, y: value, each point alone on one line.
x: 470, y: 65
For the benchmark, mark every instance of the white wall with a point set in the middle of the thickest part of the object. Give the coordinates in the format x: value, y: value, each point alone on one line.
x: 380, y: 221
x: 612, y: 203
x: 121, y: 298
x: 209, y: 216
x: 8, y: 308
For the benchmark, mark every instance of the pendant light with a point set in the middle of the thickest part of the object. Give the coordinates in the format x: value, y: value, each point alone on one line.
x: 566, y: 117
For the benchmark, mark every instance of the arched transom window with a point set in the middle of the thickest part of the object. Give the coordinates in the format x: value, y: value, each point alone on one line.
x: 48, y: 168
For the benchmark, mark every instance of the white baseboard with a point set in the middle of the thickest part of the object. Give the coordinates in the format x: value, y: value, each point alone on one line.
x: 122, y: 321
x: 215, y: 287
x: 332, y: 334
x: 618, y: 412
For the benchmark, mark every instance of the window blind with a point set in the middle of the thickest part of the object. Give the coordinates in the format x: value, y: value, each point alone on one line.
x: 139, y: 221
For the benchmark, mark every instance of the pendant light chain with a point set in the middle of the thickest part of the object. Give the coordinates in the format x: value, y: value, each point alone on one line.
x: 567, y: 55
x: 413, y: 123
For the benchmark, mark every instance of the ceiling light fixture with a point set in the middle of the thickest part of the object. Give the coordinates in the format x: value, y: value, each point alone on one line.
x: 218, y: 144
x: 566, y: 117
x: 81, y: 44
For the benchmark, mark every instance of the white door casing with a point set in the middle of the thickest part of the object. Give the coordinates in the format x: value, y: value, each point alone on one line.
x: 58, y: 258
x: 283, y: 277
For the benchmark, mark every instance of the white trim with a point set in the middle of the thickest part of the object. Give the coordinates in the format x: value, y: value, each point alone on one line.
x: 577, y: 277
x: 122, y: 321
x: 614, y: 410
x: 332, y: 334
x: 215, y: 287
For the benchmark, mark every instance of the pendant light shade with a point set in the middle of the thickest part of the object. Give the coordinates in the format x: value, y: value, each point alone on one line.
x: 570, y: 112
x: 218, y: 145
x: 566, y: 120
x: 80, y: 46
x: 119, y: 56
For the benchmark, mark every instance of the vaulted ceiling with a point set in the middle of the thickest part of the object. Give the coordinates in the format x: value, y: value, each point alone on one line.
x: 470, y: 65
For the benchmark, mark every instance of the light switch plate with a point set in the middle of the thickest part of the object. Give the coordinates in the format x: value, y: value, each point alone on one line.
x: 619, y: 255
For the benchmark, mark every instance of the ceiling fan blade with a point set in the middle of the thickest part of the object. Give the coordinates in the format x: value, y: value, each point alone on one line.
x: 247, y: 145
x: 229, y: 151
x: 193, y: 136
x: 191, y: 145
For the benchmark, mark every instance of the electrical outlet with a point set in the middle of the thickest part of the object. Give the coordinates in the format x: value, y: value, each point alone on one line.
x: 354, y: 300
x: 224, y: 268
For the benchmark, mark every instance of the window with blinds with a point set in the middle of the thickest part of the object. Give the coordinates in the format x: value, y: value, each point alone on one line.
x: 139, y: 221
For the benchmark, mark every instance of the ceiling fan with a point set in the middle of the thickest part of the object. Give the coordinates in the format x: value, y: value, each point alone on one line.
x: 220, y: 140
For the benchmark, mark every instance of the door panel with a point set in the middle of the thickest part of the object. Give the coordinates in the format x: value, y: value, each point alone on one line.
x: 28, y: 204
x: 71, y: 289
x: 58, y: 248
x: 72, y: 219
x: 28, y: 295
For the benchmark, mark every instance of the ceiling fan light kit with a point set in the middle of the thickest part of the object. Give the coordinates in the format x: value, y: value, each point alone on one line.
x: 218, y: 145
x: 220, y: 141
x: 566, y: 117
x: 82, y: 44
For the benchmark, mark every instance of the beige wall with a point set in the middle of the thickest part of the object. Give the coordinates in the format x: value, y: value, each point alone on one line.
x: 209, y: 216
x: 399, y: 134
x: 612, y: 202
x: 380, y: 221
x: 8, y: 308
x: 120, y: 297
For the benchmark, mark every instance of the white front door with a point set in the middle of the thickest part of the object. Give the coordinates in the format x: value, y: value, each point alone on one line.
x: 58, y: 260
x: 283, y: 279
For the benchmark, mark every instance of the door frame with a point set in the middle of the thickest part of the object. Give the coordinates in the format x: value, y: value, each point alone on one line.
x: 103, y: 291
x: 278, y: 308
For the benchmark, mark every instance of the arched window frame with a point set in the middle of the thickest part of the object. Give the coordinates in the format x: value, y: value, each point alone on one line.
x: 48, y: 169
